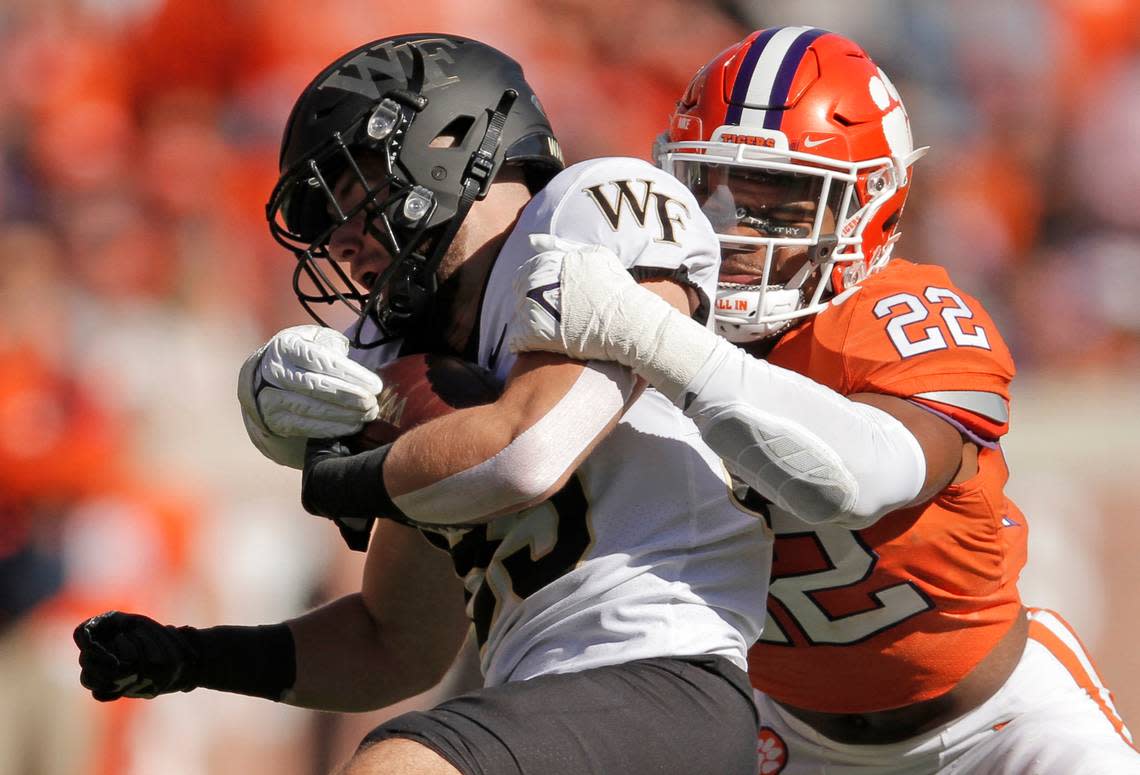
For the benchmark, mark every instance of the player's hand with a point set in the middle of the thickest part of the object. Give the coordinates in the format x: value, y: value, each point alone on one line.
x: 301, y: 384
x: 128, y: 655
x: 573, y: 299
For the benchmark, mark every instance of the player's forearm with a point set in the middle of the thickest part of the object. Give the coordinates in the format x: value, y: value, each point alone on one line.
x: 436, y: 459
x: 448, y: 445
x: 347, y: 662
x: 474, y: 465
x: 808, y: 449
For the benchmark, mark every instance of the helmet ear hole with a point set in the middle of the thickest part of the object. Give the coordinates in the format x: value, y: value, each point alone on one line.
x: 454, y: 134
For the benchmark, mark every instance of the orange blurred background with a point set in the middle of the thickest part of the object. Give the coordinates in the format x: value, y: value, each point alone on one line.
x: 139, y: 146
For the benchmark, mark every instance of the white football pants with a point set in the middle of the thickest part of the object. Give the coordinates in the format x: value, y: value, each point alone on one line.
x: 1053, y: 716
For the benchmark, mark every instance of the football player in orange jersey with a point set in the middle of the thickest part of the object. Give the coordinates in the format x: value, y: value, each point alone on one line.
x: 859, y: 401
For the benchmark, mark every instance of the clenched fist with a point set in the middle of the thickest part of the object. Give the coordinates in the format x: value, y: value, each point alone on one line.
x: 128, y: 655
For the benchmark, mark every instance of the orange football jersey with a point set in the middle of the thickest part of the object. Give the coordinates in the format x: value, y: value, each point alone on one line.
x: 867, y: 620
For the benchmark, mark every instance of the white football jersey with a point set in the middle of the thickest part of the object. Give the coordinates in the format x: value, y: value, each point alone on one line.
x: 643, y: 553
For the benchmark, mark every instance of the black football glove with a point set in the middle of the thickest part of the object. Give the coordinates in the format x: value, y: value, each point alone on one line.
x: 128, y: 655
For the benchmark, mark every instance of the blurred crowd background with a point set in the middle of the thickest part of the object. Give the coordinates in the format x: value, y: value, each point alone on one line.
x: 139, y: 142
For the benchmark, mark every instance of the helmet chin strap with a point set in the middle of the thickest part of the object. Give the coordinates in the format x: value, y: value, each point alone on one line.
x: 401, y: 286
x: 800, y: 277
x: 741, y: 330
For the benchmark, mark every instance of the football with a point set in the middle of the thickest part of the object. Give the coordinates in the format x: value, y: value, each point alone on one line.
x: 422, y: 387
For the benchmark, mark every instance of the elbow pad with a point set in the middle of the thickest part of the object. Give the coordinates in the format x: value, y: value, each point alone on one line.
x: 809, y: 450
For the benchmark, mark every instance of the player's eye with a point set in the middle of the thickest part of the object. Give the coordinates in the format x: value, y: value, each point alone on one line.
x: 793, y: 213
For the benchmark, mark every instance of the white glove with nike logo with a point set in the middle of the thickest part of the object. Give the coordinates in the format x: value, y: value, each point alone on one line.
x: 581, y: 301
x: 301, y: 384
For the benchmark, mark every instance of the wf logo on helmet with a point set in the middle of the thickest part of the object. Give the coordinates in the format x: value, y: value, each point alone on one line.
x: 356, y: 75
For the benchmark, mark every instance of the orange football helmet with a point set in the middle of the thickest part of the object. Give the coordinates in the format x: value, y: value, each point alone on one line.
x: 794, y: 142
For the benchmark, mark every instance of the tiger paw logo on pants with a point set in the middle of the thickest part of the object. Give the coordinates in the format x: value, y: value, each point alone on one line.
x: 771, y: 751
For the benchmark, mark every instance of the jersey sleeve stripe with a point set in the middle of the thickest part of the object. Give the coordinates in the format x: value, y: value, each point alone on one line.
x: 970, y: 433
x: 990, y: 405
x: 1055, y: 634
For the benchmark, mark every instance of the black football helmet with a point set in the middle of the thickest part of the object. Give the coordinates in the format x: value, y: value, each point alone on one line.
x: 438, y: 115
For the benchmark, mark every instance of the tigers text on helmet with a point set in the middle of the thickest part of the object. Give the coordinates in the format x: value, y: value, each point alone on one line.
x: 419, y: 125
x: 792, y: 140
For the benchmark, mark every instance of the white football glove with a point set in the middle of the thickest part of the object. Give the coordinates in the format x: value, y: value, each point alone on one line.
x: 301, y: 384
x: 569, y: 300
x: 581, y: 301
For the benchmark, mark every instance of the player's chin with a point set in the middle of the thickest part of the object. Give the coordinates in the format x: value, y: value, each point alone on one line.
x: 740, y: 272
x: 742, y: 267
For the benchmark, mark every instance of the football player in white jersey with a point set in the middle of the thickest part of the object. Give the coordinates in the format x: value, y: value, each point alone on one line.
x: 612, y: 586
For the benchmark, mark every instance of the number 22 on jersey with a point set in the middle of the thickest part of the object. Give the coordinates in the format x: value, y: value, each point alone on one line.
x: 911, y: 339
x: 821, y: 587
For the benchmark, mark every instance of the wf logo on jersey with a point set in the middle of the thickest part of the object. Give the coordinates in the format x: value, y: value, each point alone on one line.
x: 639, y: 198
x: 384, y: 59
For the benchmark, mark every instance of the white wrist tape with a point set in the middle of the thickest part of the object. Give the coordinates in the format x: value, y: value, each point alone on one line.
x: 804, y: 447
x: 661, y: 344
x: 533, y: 463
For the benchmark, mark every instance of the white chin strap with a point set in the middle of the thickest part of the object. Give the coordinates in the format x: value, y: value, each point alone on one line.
x: 748, y: 313
x: 744, y: 313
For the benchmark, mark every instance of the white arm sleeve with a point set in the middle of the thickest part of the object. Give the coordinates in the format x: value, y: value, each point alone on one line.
x: 807, y: 449
x: 528, y: 467
x: 804, y: 447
